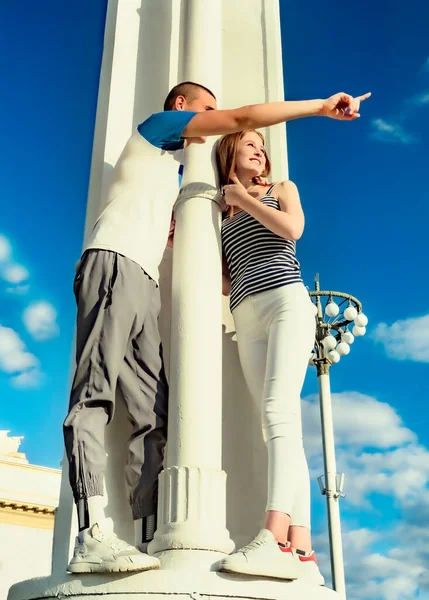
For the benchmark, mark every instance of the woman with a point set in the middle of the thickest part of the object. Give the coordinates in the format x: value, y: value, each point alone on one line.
x: 274, y: 320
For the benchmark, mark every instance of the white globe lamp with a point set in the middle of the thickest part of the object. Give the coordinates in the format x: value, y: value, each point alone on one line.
x: 329, y: 342
x: 334, y: 357
x: 343, y: 349
x: 361, y: 320
x: 348, y: 337
x: 350, y: 313
x: 358, y: 331
x: 332, y: 309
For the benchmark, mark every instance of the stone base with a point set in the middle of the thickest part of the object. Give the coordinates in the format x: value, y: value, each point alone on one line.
x: 191, y: 511
x: 194, y: 582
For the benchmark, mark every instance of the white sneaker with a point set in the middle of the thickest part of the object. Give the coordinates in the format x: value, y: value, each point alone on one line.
x: 262, y: 557
x: 309, y: 569
x: 99, y: 550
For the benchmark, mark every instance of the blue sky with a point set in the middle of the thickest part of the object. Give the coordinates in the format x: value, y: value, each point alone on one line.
x: 366, y: 203
x: 364, y: 191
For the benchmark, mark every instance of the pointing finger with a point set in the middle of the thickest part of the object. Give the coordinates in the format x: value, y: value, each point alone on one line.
x: 363, y: 97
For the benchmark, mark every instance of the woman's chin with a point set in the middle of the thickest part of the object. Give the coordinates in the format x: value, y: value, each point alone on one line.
x: 251, y: 173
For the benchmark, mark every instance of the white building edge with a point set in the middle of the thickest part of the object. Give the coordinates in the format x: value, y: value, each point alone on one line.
x: 29, y: 497
x: 234, y: 48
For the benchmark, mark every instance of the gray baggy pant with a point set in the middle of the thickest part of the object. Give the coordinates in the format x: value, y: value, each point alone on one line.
x: 117, y: 345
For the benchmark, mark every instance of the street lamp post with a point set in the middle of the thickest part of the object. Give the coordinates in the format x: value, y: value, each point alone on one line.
x: 333, y: 340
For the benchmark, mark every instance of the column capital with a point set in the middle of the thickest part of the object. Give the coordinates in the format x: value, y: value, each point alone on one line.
x: 201, y: 190
x: 323, y: 367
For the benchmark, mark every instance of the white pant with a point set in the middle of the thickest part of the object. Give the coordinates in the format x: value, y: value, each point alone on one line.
x: 275, y: 334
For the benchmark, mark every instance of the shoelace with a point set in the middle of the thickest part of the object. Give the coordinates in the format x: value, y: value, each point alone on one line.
x: 116, y: 544
x: 252, y: 546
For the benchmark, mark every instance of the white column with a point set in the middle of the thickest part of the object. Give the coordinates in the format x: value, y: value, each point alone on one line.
x: 332, y: 497
x: 192, y: 488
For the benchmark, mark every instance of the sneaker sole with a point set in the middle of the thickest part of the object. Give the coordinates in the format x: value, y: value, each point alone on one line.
x: 311, y: 581
x: 79, y: 569
x: 243, y: 571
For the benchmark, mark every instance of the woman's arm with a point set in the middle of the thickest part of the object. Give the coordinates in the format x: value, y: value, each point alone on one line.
x: 288, y: 222
x: 226, y: 279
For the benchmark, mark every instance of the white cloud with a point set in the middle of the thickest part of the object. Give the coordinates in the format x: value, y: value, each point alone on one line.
x: 11, y: 272
x: 360, y: 421
x: 402, y: 473
x: 356, y: 543
x: 22, y: 366
x: 40, y: 320
x: 375, y: 450
x: 17, y: 361
x: 379, y: 565
x: 391, y: 133
x: 15, y: 273
x: 27, y: 380
x: 421, y: 99
x: 18, y: 290
x: 416, y: 537
x: 5, y: 248
x: 372, y: 574
x: 406, y: 339
x: 14, y: 357
x: 399, y: 587
x: 358, y: 540
x: 386, y: 576
x: 378, y: 454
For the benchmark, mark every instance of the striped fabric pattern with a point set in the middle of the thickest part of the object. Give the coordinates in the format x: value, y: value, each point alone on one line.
x: 258, y: 259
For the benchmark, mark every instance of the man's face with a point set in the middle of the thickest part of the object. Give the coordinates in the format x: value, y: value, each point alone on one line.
x: 203, y: 101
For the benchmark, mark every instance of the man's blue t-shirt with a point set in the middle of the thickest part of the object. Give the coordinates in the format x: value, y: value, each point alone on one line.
x: 164, y: 130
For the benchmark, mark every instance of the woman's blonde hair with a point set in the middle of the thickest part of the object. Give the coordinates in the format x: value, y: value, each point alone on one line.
x: 226, y: 156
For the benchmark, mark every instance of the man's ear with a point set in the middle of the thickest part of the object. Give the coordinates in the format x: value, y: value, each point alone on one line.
x: 180, y: 103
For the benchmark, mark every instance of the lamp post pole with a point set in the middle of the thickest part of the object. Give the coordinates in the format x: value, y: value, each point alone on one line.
x: 333, y: 340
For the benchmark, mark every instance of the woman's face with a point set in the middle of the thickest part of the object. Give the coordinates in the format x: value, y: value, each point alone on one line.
x: 250, y: 159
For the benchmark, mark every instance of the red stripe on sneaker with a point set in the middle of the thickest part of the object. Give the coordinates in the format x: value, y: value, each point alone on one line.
x: 312, y: 557
x: 285, y: 548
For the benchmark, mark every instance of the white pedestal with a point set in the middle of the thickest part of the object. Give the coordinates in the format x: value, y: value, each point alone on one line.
x: 192, y: 511
x: 182, y: 578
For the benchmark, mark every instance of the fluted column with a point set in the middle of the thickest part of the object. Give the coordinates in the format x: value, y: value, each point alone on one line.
x: 192, y: 495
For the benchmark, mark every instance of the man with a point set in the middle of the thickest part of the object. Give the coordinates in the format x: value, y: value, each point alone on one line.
x: 116, y: 287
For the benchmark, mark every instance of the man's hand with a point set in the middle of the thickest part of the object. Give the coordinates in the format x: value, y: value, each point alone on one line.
x: 343, y: 106
x: 171, y: 232
x: 235, y: 194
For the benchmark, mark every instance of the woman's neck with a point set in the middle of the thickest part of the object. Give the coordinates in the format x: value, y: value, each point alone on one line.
x: 246, y: 182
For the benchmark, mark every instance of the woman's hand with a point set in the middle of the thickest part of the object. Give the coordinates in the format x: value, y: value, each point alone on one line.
x: 288, y: 222
x: 235, y: 194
